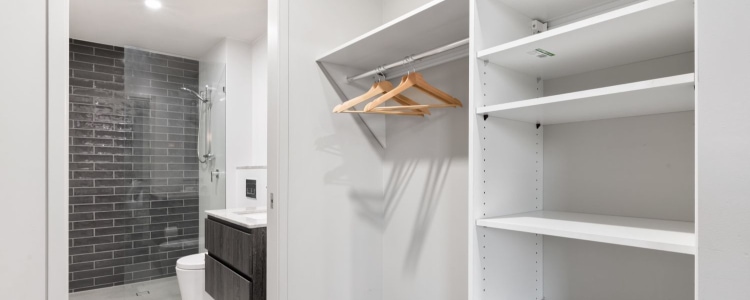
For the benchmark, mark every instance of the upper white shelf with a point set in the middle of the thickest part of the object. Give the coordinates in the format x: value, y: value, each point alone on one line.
x: 657, y: 96
x: 671, y: 236
x: 639, y: 32
x: 433, y: 25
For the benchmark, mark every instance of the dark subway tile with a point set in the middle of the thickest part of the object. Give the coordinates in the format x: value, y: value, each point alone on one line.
x: 112, y: 150
x: 76, y: 65
x: 166, y: 219
x: 80, y: 250
x: 92, y: 92
x: 193, y: 216
x: 93, y: 191
x: 92, y: 44
x: 131, y: 252
x: 94, y: 207
x: 109, y: 70
x: 93, y: 241
x: 166, y: 159
x: 92, y: 273
x: 114, y: 279
x: 114, y: 215
x: 113, y: 198
x: 81, y: 133
x: 132, y: 221
x: 151, y: 166
x: 80, y: 99
x: 150, y: 227
x: 80, y: 217
x: 81, y: 183
x: 94, y: 59
x: 132, y: 237
x: 113, y: 230
x: 113, y: 182
x: 183, y: 210
x: 132, y: 174
x: 167, y: 71
x: 80, y: 267
x: 150, y: 212
x: 92, y: 174
x: 79, y: 284
x: 190, y: 74
x: 81, y: 116
x: 92, y: 75
x: 80, y: 49
x: 113, y: 135
x: 109, y: 53
x: 113, y: 86
x: 83, y: 158
x: 81, y: 82
x: 81, y: 150
x: 92, y: 224
x: 113, y: 167
x: 81, y: 199
x: 183, y: 66
x: 113, y: 246
x: 183, y: 80
x: 167, y: 203
x: 166, y: 85
x: 166, y: 174
x: 84, y: 233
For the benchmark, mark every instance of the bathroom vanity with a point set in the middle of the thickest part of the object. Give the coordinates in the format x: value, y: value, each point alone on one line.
x: 236, y: 260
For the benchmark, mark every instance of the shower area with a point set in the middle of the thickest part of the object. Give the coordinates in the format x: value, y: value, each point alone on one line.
x: 144, y: 127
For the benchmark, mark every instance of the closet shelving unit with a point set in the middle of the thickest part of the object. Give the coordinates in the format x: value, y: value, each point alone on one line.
x: 429, y: 27
x: 582, y: 150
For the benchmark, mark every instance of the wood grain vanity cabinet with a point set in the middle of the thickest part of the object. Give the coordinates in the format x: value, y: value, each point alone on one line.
x: 236, y: 261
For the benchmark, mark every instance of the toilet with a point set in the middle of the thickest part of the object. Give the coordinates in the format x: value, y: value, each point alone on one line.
x: 191, y: 277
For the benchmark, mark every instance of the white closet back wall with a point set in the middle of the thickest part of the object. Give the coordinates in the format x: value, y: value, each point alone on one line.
x: 426, y: 162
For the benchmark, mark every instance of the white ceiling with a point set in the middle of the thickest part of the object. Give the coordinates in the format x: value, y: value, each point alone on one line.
x: 186, y: 28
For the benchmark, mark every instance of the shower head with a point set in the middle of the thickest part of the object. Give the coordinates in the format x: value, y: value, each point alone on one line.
x: 195, y: 93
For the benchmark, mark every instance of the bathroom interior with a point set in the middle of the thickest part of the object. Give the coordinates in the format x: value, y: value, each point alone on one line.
x: 167, y: 120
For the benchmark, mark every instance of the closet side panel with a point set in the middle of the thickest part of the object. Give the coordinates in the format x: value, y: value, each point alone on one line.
x: 335, y: 191
x: 723, y: 147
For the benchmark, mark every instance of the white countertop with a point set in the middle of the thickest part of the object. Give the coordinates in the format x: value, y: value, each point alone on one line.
x: 248, y: 217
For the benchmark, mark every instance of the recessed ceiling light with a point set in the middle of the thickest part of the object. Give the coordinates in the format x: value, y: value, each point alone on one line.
x: 153, y: 4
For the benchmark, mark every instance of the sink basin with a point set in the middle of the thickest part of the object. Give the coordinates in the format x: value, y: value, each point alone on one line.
x: 253, y: 215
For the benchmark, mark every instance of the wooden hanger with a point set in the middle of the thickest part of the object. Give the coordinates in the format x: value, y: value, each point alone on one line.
x: 377, y: 89
x: 415, y: 80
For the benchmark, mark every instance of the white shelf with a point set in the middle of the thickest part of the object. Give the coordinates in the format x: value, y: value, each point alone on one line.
x: 643, y: 31
x: 671, y: 236
x: 663, y: 95
x: 433, y: 25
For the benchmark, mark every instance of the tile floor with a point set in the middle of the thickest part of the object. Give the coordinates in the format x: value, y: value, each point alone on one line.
x: 160, y: 289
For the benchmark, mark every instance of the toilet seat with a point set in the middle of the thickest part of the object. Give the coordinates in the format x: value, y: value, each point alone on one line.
x: 192, y: 262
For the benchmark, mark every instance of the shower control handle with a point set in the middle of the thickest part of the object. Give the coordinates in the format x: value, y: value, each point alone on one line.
x: 215, y: 173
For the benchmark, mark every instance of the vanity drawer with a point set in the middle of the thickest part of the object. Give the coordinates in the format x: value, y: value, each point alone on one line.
x: 232, y: 246
x: 224, y: 284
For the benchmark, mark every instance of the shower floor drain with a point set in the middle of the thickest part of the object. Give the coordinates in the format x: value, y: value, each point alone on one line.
x: 143, y: 293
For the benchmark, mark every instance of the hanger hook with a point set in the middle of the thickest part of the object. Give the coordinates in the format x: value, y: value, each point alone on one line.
x: 410, y: 61
x: 381, y: 73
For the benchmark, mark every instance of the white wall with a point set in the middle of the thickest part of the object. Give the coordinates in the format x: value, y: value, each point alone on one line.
x: 34, y: 162
x: 723, y: 152
x: 426, y: 185
x: 259, y: 107
x: 239, y: 122
x: 330, y: 185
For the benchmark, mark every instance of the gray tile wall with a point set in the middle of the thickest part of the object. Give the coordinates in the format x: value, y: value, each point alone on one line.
x: 133, y: 164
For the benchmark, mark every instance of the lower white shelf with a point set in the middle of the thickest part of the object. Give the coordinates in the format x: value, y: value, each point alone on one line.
x: 671, y: 236
x: 656, y: 96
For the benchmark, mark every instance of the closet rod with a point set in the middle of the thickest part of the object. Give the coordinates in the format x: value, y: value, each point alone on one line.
x: 414, y: 57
